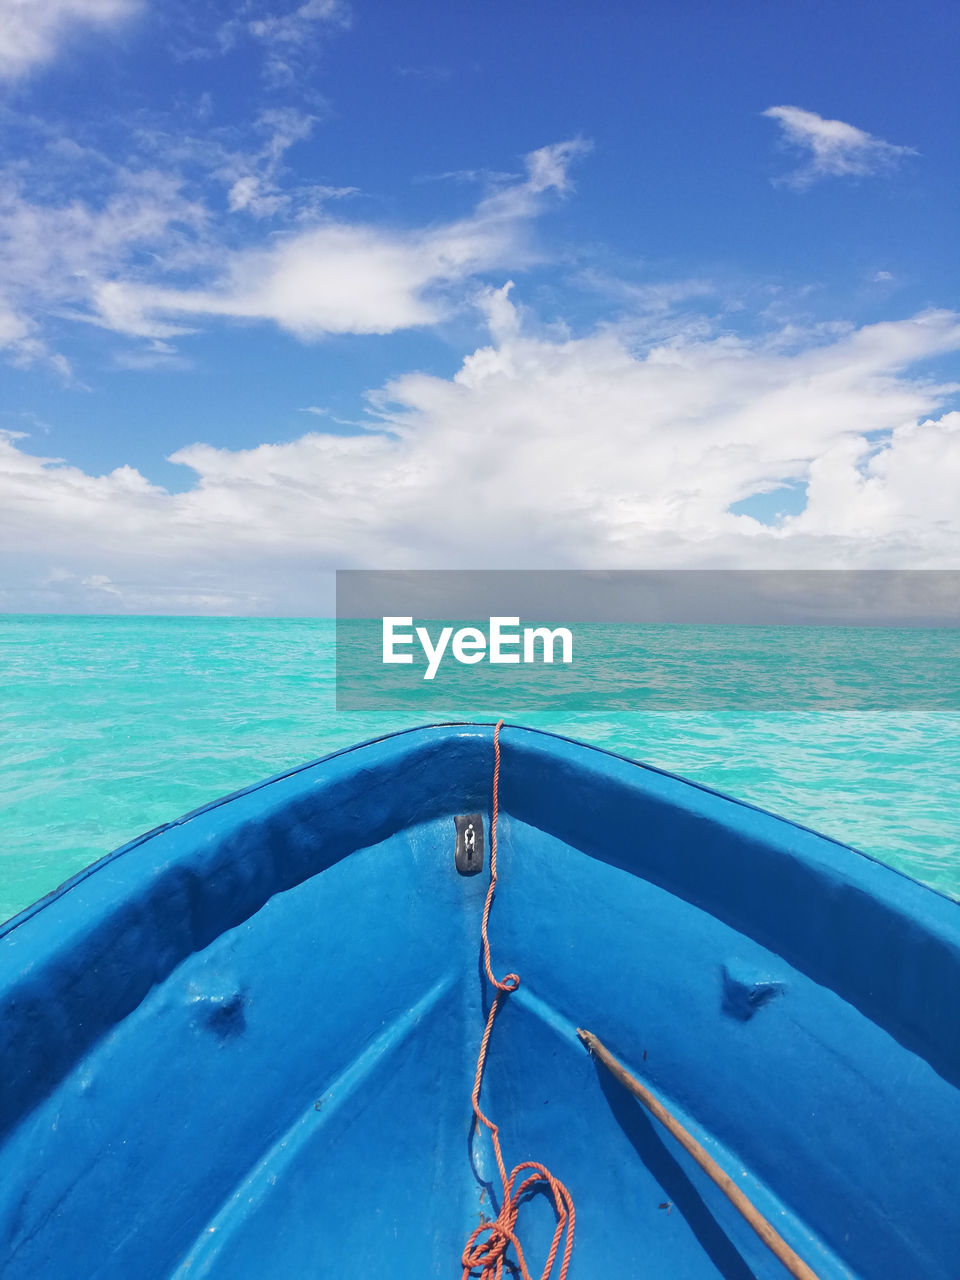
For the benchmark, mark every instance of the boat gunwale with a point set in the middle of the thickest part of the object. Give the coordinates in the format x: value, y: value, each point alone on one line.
x: 27, y: 913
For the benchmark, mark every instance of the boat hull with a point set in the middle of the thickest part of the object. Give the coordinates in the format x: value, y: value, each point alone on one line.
x: 243, y: 1046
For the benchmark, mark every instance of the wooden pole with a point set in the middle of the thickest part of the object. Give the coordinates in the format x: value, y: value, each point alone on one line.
x: 767, y: 1233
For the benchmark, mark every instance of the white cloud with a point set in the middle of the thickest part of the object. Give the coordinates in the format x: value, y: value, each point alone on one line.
x: 834, y: 149
x: 652, y: 297
x: 15, y: 331
x: 250, y: 165
x: 575, y: 452
x: 33, y: 31
x: 20, y: 339
x: 149, y: 251
x: 289, y: 37
x: 908, y: 486
x: 100, y: 582
x: 348, y: 277
x: 251, y: 176
x: 56, y: 254
x: 294, y: 26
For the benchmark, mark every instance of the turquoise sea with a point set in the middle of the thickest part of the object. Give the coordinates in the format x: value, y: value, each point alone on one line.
x: 111, y: 725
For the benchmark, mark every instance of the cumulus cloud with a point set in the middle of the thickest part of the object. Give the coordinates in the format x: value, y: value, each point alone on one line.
x: 33, y: 31
x: 545, y: 451
x: 908, y: 487
x: 833, y: 148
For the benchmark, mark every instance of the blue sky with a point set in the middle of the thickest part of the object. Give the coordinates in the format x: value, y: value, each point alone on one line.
x: 275, y: 243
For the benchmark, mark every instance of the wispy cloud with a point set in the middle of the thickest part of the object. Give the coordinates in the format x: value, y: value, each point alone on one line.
x: 833, y: 148
x: 33, y: 31
x: 583, y: 452
x: 340, y: 277
x: 55, y: 252
x: 210, y: 224
x: 648, y: 296
x: 440, y: 74
x: 296, y: 24
x: 289, y: 38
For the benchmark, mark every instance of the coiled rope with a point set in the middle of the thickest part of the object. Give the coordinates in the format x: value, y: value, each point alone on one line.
x: 485, y: 1253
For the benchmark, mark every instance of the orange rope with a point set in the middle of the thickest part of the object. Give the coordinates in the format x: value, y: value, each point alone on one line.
x: 485, y: 1253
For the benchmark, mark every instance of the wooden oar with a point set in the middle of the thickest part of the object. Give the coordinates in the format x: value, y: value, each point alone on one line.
x: 767, y: 1233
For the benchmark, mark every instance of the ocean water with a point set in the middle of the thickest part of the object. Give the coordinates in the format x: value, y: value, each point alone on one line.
x: 110, y: 726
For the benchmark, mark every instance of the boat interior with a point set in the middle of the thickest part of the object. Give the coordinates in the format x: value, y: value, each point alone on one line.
x: 244, y: 1045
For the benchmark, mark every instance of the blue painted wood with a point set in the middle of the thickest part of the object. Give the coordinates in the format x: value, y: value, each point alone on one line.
x: 242, y: 1046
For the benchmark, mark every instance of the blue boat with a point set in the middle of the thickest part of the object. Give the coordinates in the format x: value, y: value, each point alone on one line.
x: 245, y: 1044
